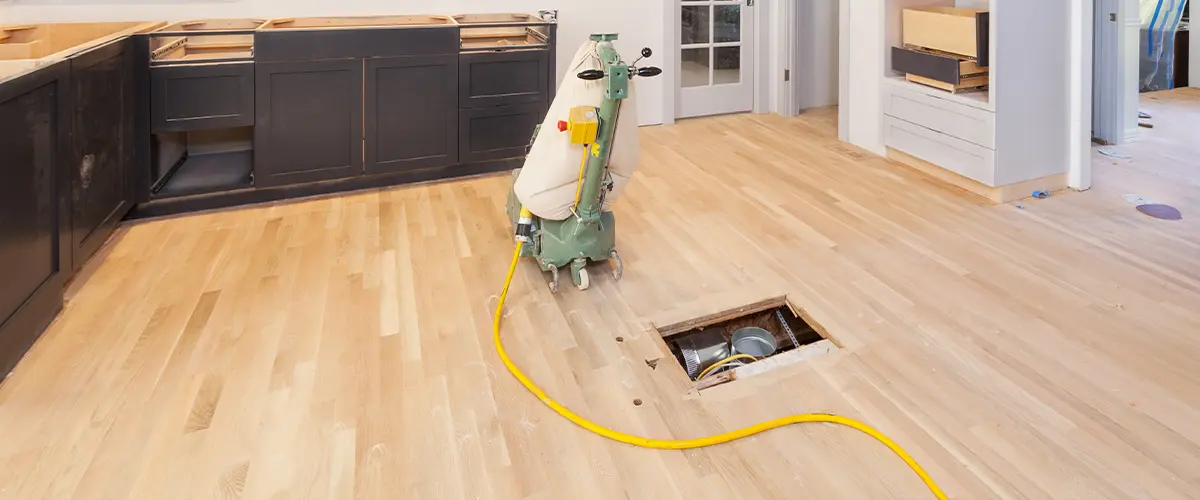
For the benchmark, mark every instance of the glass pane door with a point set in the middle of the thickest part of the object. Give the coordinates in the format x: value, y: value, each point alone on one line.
x: 713, y: 57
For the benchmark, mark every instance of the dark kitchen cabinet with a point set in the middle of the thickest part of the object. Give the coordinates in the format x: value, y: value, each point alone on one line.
x: 503, y: 78
x: 411, y: 113
x: 34, y: 234
x: 308, y: 121
x: 497, y: 133
x: 101, y: 152
x: 202, y: 96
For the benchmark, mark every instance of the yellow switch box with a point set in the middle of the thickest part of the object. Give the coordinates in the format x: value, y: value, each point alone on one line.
x: 583, y: 125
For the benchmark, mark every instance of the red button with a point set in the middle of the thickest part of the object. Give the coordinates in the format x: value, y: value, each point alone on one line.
x: 562, y: 126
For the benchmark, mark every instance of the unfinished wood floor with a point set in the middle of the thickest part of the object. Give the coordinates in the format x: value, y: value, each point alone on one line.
x: 340, y: 348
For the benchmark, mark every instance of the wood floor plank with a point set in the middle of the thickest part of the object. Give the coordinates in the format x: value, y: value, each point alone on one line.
x: 340, y: 347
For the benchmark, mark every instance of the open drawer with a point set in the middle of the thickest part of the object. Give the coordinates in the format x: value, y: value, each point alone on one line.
x: 501, y: 32
x: 202, y: 75
x: 207, y: 40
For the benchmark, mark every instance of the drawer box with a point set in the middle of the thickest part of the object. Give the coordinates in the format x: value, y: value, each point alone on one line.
x: 951, y: 153
x: 917, y: 106
x: 948, y: 29
x: 201, y: 97
x: 503, y: 78
x: 938, y: 70
x: 497, y: 133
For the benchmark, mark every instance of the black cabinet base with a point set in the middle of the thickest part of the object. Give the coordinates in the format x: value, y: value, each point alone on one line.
x: 18, y: 334
x: 185, y: 204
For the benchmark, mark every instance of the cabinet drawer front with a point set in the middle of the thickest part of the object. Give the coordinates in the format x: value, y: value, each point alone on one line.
x: 501, y: 78
x: 968, y: 123
x: 201, y: 97
x: 956, y: 155
x: 314, y: 44
x: 496, y: 133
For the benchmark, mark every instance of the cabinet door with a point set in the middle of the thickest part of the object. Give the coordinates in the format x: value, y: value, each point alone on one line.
x: 497, y: 133
x: 412, y: 113
x: 102, y: 154
x: 308, y: 121
x: 33, y: 206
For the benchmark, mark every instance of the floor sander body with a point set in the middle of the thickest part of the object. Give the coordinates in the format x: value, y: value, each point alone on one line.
x: 588, y: 234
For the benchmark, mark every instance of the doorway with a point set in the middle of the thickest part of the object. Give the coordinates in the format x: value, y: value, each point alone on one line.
x: 815, y: 56
x: 716, y: 57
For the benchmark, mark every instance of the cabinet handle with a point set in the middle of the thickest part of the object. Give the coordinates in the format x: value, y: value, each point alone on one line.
x: 85, y: 170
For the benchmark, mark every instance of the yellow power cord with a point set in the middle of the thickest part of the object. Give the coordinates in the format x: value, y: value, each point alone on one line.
x: 722, y: 362
x: 685, y: 444
x: 579, y: 182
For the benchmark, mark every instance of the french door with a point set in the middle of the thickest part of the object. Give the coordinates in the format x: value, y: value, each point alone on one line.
x: 716, y: 57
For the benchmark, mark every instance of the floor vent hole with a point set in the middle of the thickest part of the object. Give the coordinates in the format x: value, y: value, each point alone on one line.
x: 749, y: 340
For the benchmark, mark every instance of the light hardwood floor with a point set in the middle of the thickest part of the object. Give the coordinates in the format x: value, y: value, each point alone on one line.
x: 340, y: 348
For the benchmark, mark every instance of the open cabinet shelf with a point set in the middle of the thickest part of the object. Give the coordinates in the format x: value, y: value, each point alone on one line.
x: 203, y: 162
x: 210, y: 173
x: 894, y: 38
x: 1004, y: 143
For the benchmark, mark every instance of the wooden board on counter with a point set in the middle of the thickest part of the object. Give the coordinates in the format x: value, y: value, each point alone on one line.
x: 357, y: 22
x: 57, y: 40
x: 27, y: 47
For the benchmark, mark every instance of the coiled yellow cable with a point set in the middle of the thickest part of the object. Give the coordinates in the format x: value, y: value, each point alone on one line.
x: 684, y: 444
x: 722, y: 362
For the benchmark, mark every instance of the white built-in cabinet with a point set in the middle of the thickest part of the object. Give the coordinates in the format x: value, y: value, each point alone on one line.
x: 1016, y: 131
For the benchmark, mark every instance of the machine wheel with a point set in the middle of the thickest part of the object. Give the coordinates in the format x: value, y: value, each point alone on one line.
x: 618, y: 266
x: 584, y: 281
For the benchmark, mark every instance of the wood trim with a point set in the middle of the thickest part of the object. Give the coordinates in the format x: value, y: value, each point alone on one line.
x: 995, y: 194
x: 717, y: 317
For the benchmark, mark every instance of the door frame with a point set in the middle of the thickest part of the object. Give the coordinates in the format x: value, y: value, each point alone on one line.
x: 783, y: 46
x: 764, y: 67
x: 1079, y: 160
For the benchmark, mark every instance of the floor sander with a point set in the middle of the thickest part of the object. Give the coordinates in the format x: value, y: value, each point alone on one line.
x: 562, y: 223
x: 561, y: 229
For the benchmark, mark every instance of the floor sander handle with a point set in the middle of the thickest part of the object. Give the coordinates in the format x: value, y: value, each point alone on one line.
x: 591, y: 74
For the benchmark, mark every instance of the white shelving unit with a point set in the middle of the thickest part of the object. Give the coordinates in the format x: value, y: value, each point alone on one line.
x: 1013, y: 135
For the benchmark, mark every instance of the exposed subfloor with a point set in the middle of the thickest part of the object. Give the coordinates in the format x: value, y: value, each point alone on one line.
x: 341, y: 347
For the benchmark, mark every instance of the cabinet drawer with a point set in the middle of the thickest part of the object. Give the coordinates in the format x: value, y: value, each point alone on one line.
x: 502, y: 78
x: 274, y: 45
x: 952, y: 118
x: 199, y: 97
x: 956, y: 155
x: 496, y: 133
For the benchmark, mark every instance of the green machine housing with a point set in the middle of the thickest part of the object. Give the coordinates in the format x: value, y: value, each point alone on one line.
x: 589, y: 235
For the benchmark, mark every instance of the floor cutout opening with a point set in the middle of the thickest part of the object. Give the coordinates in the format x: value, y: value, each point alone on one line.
x: 725, y: 346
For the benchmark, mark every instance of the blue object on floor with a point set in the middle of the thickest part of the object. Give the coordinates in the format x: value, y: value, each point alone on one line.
x: 1041, y: 195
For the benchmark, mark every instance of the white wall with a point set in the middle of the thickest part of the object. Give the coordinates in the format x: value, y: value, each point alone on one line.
x: 861, y: 37
x: 638, y: 25
x: 816, y: 67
